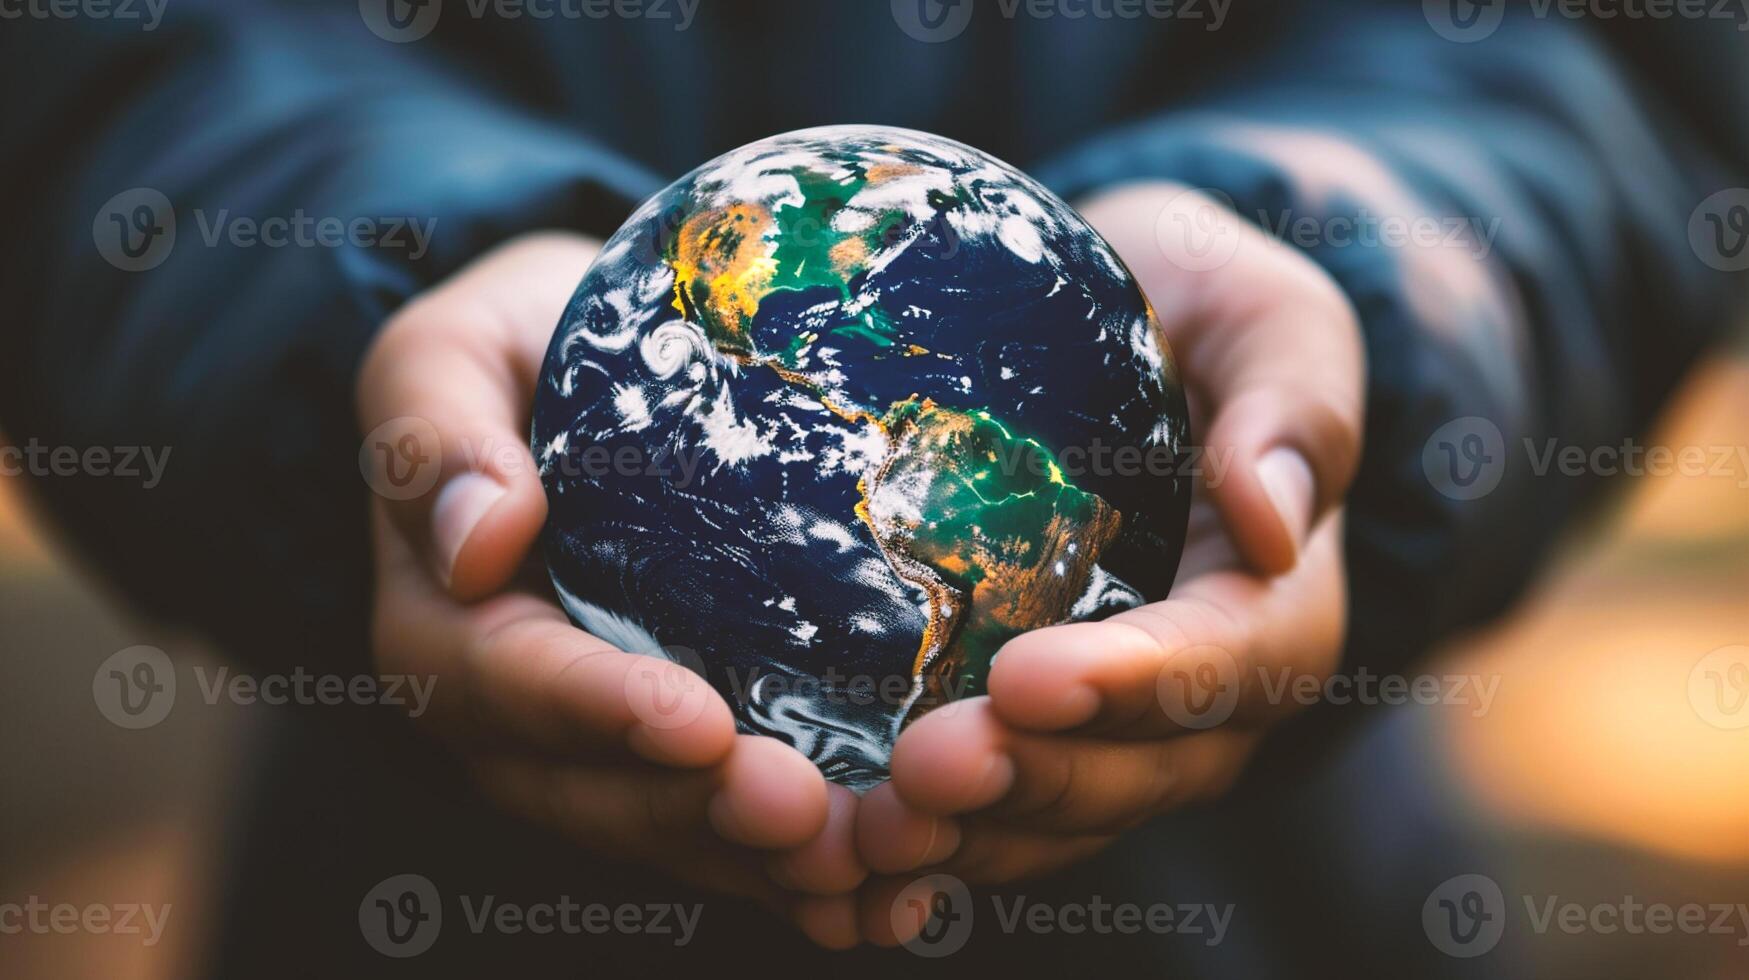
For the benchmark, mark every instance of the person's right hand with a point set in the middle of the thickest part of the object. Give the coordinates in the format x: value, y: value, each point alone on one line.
x: 634, y: 757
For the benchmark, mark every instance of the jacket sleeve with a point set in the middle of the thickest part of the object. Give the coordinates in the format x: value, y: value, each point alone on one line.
x: 206, y: 221
x: 1521, y: 220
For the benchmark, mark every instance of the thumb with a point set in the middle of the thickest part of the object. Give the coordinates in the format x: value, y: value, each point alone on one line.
x: 1281, y: 370
x: 1270, y: 348
x: 444, y: 399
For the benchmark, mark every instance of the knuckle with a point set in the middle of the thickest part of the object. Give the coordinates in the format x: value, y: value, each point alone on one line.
x: 1162, y: 632
x: 387, y: 348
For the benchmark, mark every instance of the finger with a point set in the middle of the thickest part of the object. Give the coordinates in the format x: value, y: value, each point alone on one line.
x: 1271, y: 345
x: 1184, y: 664
x: 892, y: 836
x: 828, y: 921
x: 545, y: 684
x: 755, y: 799
x: 894, y: 910
x: 771, y: 796
x: 444, y: 399
x: 511, y: 672
x: 1289, y: 452
x: 1057, y: 783
x: 996, y: 853
x: 1197, y: 661
x: 828, y: 864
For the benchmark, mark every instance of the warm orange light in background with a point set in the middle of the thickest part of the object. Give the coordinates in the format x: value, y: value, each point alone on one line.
x: 1595, y: 732
x: 17, y: 543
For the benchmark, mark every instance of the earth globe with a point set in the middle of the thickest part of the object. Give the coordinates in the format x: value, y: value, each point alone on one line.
x: 835, y: 415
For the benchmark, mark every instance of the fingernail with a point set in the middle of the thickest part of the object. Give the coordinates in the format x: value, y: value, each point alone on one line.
x: 1288, y: 480
x: 459, y: 507
x: 1077, y: 705
x: 944, y: 839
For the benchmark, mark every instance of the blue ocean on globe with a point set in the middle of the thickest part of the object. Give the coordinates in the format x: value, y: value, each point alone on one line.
x: 834, y: 416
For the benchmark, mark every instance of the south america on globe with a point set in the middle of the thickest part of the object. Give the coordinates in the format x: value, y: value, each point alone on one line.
x: 836, y: 415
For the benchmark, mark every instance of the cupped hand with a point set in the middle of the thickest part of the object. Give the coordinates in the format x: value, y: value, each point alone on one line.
x: 1090, y: 729
x: 634, y: 757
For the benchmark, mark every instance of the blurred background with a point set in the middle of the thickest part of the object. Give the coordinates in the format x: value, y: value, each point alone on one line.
x: 1607, y: 770
x: 1620, y: 728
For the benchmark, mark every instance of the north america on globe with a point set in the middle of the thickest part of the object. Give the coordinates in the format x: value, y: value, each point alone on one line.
x: 836, y: 415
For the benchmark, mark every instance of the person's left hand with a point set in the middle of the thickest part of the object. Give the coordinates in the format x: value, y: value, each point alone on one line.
x: 1090, y: 729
